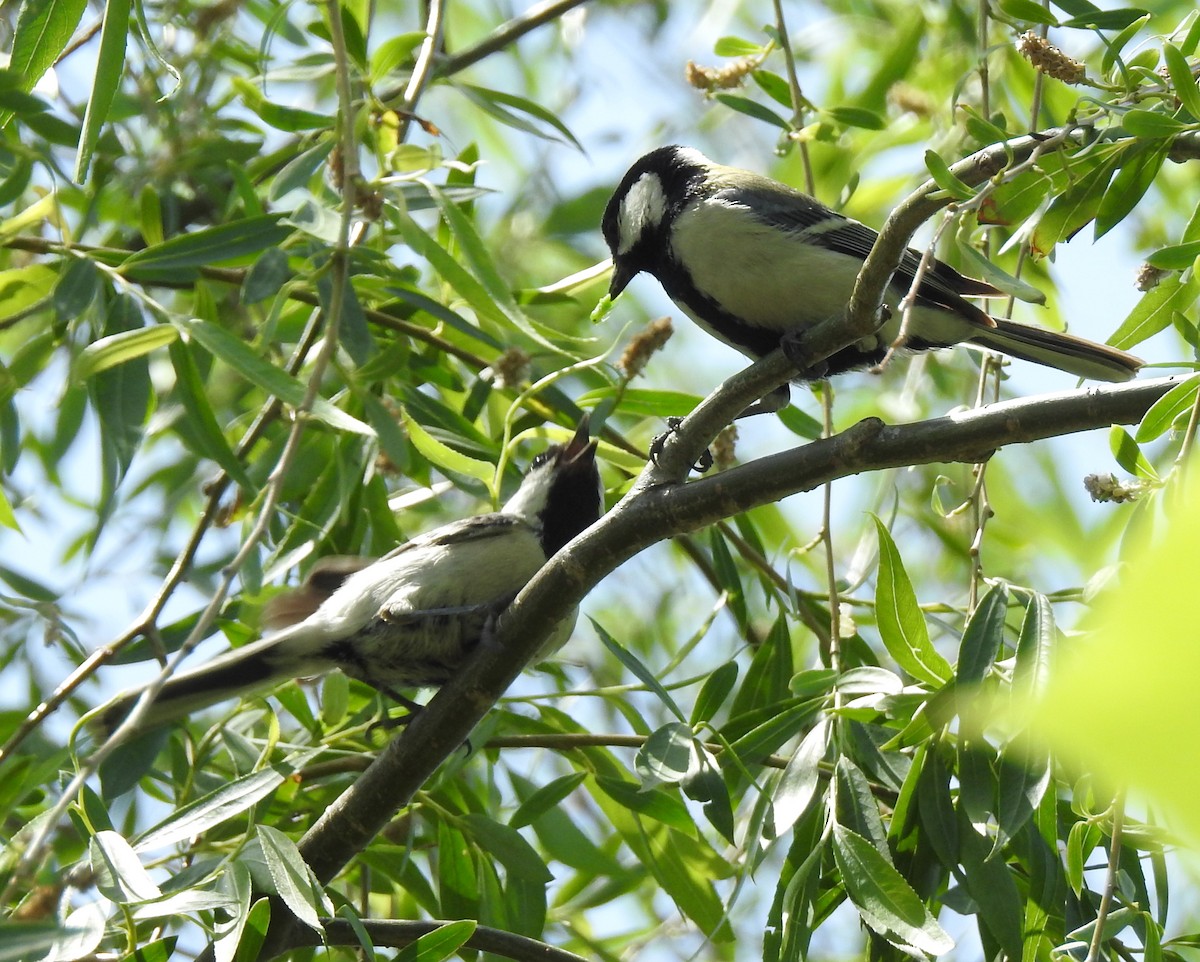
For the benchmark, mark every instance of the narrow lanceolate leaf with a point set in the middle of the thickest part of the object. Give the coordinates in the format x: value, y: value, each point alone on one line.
x: 983, y: 636
x: 43, y: 29
x: 212, y: 245
x: 1182, y: 79
x: 1168, y: 409
x: 110, y: 63
x: 797, y: 787
x: 901, y: 622
x: 234, y: 352
x: 442, y: 943
x: 443, y: 457
x: 885, y: 901
x: 219, y: 806
x: 120, y: 875
x: 644, y: 675
x: 293, y: 881
x: 1035, y: 647
x: 116, y: 349
x: 198, y: 427
x: 1155, y: 311
x: 940, y: 171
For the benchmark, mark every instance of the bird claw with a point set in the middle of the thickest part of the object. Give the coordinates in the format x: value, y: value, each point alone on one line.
x: 659, y: 442
x: 793, y: 351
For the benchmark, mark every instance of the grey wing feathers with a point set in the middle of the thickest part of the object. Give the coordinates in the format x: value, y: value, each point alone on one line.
x: 942, y: 285
x: 467, y: 529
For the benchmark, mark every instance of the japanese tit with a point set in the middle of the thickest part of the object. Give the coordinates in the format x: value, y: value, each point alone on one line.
x: 750, y: 259
x: 410, y: 619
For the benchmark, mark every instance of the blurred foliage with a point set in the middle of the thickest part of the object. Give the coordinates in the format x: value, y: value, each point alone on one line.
x: 172, y: 183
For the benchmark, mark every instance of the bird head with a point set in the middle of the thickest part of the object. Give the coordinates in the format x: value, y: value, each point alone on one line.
x: 561, y: 492
x: 637, y: 220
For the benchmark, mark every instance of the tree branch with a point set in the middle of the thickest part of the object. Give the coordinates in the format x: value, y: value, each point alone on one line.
x: 654, y: 511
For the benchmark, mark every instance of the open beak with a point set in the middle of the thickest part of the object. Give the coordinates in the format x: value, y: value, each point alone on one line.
x: 581, y: 444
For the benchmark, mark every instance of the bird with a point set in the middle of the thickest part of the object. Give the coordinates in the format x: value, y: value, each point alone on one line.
x: 410, y: 618
x: 751, y: 260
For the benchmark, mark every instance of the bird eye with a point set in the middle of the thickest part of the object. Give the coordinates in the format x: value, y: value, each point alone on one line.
x: 541, y: 458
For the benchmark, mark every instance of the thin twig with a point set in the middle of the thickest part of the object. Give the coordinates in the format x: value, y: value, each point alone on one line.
x: 423, y: 69
x: 1110, y: 877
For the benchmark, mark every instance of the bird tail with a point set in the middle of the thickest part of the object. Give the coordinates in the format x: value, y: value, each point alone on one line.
x: 252, y: 668
x: 1075, y: 355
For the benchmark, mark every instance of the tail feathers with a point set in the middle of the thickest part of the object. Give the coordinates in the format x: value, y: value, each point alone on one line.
x: 1075, y: 355
x: 253, y: 668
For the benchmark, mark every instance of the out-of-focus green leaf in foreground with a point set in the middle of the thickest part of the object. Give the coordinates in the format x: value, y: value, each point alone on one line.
x: 1120, y: 701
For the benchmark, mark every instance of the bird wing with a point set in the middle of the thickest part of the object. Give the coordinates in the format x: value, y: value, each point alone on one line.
x: 799, y: 214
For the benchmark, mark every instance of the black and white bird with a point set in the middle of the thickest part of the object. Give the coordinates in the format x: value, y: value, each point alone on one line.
x: 750, y: 260
x: 410, y: 619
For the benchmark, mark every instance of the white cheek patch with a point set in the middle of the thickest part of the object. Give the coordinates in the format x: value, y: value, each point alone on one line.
x: 644, y: 207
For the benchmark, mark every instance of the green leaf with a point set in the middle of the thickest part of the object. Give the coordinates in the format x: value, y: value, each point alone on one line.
x: 198, y: 426
x: 736, y: 47
x: 212, y: 245
x: 120, y: 875
x: 545, y: 798
x: 301, y: 169
x: 885, y: 901
x: 1028, y: 10
x: 991, y: 272
x: 266, y: 276
x: 234, y: 352
x: 774, y: 86
x: 644, y: 675
x: 856, y: 117
x: 983, y: 636
x: 713, y: 693
x: 1073, y: 208
x: 76, y: 289
x: 1168, y: 409
x: 1182, y: 79
x: 668, y: 756
x: 1035, y: 647
x: 991, y: 885
x: 1177, y: 257
x: 22, y: 941
x: 44, y: 28
x: 1130, y: 184
x: 1128, y: 454
x: 442, y: 943
x: 444, y: 457
x: 752, y: 108
x: 279, y: 116
x: 217, y: 807
x: 254, y: 932
x: 901, y: 623
x: 110, y: 63
x: 1015, y: 200
x: 293, y: 880
x: 1107, y: 19
x: 653, y: 803
x: 1152, y: 124
x: 797, y: 786
x: 108, y: 352
x: 509, y: 847
x: 1114, y: 46
x: 1157, y: 308
x: 497, y: 102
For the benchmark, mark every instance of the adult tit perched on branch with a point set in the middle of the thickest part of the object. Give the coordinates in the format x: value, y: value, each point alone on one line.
x: 750, y: 260
x: 410, y: 619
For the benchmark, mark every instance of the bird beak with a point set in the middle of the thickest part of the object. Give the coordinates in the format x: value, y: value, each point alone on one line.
x: 621, y: 276
x: 580, y: 445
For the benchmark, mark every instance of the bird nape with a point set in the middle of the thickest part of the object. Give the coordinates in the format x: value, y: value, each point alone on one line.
x: 411, y: 618
x: 751, y: 260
